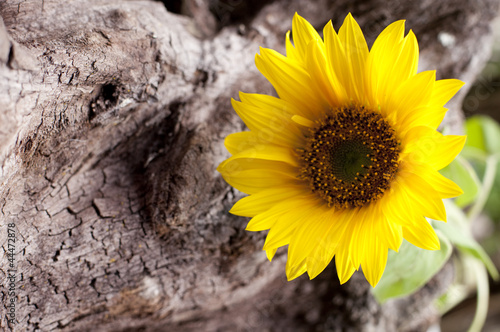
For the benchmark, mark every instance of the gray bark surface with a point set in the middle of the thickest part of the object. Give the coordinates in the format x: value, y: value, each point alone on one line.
x: 112, y: 121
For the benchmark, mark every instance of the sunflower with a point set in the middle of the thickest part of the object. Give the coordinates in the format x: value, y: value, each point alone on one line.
x: 344, y: 163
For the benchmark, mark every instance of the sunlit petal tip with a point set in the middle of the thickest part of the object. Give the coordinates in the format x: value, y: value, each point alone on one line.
x: 454, y: 144
x: 220, y: 167
x: 302, y: 32
x: 327, y: 29
x: 344, y: 268
x: 293, y: 272
x: 373, y: 277
x: 250, y: 228
x: 270, y: 254
x: 353, y: 26
x: 298, y: 21
x: 258, y: 57
x: 349, y: 19
x: 235, y: 210
x: 259, y: 224
x: 399, y: 24
x: 373, y: 281
x: 428, y: 75
x: 422, y: 235
x: 241, y: 94
x: 265, y: 53
x: 412, y: 39
x: 343, y: 278
x: 433, y: 244
x: 395, y: 29
x: 313, y: 270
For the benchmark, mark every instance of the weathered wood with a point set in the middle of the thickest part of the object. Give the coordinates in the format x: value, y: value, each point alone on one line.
x: 112, y: 120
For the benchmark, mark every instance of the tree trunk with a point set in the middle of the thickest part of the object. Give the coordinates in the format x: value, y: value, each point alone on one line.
x: 112, y: 120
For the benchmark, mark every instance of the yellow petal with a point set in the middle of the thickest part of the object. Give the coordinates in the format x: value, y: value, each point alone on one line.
x: 315, y: 265
x: 267, y: 152
x: 381, y: 60
x: 291, y: 52
x: 444, y: 186
x: 340, y: 66
x: 302, y: 32
x: 303, y: 121
x: 280, y: 236
x: 265, y: 220
x: 270, y: 253
x: 232, y: 167
x: 268, y: 123
x: 360, y: 232
x: 425, y: 145
x: 444, y: 90
x: 241, y: 141
x: 432, y: 114
x: 310, y: 234
x: 416, y: 229
x: 295, y: 271
x: 375, y: 260
x: 345, y: 269
x: 289, y: 78
x: 323, y: 81
x: 395, y: 206
x: 323, y: 253
x: 406, y: 64
x: 421, y: 234
x: 422, y: 195
x: 257, y: 203
x: 413, y: 93
x: 429, y: 116
x: 253, y: 181
x: 356, y: 52
x: 390, y: 233
x: 270, y: 104
x: 282, y: 230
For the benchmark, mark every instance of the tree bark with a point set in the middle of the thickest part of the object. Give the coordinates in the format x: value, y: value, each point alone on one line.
x: 112, y: 120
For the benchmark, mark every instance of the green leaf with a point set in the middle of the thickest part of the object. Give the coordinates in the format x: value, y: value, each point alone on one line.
x: 491, y: 134
x: 474, y: 132
x: 457, y: 230
x: 492, y: 207
x: 463, y: 174
x: 483, y: 133
x: 487, y: 185
x: 410, y: 269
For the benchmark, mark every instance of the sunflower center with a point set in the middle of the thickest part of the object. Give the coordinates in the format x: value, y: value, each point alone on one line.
x: 350, y: 157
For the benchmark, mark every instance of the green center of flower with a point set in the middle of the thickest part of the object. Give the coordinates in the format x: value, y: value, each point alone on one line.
x: 350, y: 157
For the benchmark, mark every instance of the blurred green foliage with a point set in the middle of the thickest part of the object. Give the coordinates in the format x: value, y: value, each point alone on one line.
x: 483, y: 142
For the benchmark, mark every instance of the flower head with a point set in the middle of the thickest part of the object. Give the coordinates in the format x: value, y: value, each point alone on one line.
x: 344, y: 163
